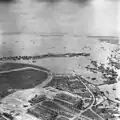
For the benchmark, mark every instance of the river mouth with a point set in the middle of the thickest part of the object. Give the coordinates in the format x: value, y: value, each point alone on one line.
x: 21, y: 76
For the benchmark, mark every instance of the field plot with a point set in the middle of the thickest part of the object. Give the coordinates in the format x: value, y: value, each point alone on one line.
x: 22, y: 78
x: 90, y: 114
x: 43, y: 113
x: 52, y: 105
x: 58, y: 108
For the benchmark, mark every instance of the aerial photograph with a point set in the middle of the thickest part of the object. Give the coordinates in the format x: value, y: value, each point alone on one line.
x: 59, y: 60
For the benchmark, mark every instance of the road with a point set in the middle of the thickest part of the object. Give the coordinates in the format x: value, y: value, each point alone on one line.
x: 40, y: 27
x: 14, y: 81
x: 37, y: 88
x: 90, y: 106
x: 27, y: 68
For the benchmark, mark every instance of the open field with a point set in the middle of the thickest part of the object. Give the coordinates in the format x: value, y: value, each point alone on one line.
x: 17, y: 76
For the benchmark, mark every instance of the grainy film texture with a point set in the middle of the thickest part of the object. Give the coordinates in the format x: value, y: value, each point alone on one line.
x: 59, y: 60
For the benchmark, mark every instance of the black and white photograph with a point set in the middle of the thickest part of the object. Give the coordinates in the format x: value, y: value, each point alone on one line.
x: 59, y: 59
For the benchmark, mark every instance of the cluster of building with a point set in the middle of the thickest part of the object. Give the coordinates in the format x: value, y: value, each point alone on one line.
x: 57, y: 101
x: 62, y: 104
x: 71, y: 84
